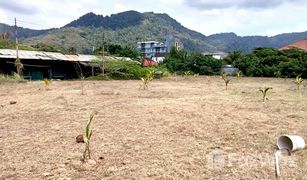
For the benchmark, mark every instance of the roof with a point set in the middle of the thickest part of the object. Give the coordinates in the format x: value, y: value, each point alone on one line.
x: 149, y: 62
x: 214, y: 53
x: 147, y: 42
x: 302, y: 44
x: 41, y: 55
x: 161, y: 45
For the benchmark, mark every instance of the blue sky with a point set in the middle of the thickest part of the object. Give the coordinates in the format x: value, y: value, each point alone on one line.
x: 244, y: 17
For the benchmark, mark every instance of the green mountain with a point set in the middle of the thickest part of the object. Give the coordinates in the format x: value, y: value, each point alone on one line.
x: 231, y: 42
x: 22, y: 32
x: 125, y: 28
x: 129, y: 27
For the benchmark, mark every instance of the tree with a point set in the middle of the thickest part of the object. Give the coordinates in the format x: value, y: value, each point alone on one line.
x: 71, y: 50
x: 233, y: 56
x: 269, y: 62
x: 181, y: 61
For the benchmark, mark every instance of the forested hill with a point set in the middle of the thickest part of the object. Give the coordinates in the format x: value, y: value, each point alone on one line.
x: 129, y: 27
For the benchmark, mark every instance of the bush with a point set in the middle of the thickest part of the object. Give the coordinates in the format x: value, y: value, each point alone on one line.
x: 182, y: 61
x: 121, y: 69
x: 11, y: 78
x: 125, y: 70
x: 268, y: 62
x: 164, y: 70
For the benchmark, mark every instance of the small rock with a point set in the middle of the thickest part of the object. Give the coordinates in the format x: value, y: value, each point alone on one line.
x: 61, y: 169
x: 91, y: 162
x: 64, y: 178
x: 46, y: 174
x: 13, y: 102
x: 80, y: 139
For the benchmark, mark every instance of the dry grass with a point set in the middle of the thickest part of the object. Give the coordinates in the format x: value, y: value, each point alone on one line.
x: 165, y: 132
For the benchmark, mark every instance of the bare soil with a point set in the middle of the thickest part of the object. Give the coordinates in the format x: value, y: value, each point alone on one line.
x: 180, y: 128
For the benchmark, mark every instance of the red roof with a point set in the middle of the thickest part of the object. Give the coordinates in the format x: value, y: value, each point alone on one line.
x: 302, y: 44
x: 149, y: 62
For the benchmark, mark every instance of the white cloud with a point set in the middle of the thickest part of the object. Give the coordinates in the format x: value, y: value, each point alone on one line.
x: 287, y: 17
x: 22, y: 6
x: 240, y: 4
x: 244, y: 17
x: 120, y: 8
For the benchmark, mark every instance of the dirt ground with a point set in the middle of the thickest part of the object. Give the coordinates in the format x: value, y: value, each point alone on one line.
x: 177, y: 129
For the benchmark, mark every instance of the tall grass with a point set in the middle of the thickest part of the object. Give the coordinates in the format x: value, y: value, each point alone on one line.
x: 11, y: 78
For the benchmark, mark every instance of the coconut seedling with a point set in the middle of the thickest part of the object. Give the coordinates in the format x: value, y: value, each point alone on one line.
x: 47, y: 82
x: 298, y: 81
x: 208, y: 78
x: 196, y: 75
x: 226, y: 80
x: 264, y: 92
x: 238, y: 74
x: 147, y: 79
x: 186, y: 74
x: 87, y: 137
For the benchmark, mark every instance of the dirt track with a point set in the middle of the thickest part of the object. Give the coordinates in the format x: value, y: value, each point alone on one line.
x: 166, y: 132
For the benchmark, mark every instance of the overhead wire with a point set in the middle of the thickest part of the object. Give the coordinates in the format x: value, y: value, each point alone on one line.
x: 24, y: 24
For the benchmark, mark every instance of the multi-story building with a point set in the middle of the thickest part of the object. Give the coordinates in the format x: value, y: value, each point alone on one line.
x: 153, y: 50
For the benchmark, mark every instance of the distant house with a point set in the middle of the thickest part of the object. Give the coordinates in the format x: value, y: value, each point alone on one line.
x: 153, y: 50
x: 156, y: 51
x: 302, y: 44
x: 38, y: 65
x: 216, y: 55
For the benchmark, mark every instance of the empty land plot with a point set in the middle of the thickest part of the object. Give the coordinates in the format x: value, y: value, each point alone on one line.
x: 173, y: 130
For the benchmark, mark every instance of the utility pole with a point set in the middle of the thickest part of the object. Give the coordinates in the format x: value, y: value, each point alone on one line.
x: 103, y: 44
x: 93, y: 51
x: 17, y: 62
x: 103, y: 61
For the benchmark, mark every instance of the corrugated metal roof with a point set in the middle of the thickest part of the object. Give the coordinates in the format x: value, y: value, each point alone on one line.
x: 23, y: 54
x: 41, y: 55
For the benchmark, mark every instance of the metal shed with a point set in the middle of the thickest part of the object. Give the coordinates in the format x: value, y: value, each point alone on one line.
x: 38, y: 65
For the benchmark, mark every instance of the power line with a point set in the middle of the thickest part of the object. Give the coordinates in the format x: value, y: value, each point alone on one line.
x: 24, y: 23
x: 35, y: 24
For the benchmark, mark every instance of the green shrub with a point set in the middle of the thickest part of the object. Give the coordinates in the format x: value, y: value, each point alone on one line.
x: 122, y: 69
x: 11, y: 78
x: 268, y: 62
x: 121, y: 75
x: 182, y: 61
x: 125, y: 70
x: 164, y: 70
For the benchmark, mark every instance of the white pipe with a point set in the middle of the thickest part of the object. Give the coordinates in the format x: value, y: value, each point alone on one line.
x: 291, y: 142
x: 277, y: 169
